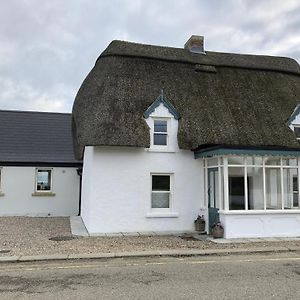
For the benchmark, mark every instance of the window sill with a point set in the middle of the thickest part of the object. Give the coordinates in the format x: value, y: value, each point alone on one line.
x: 162, y: 215
x: 43, y: 194
x: 2, y: 194
x: 161, y: 150
x: 260, y: 212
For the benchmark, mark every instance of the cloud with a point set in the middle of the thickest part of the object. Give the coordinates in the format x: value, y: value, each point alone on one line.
x: 47, y: 48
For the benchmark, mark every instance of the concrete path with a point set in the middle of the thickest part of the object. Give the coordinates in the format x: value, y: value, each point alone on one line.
x: 78, y: 228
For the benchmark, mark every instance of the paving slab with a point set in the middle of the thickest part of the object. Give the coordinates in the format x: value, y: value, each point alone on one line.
x: 77, y: 226
x: 43, y: 257
x: 114, y: 234
x: 130, y: 234
x: 147, y: 233
x: 289, y: 239
x: 255, y: 240
x: 293, y: 248
x: 97, y: 234
x: 271, y: 239
x: 91, y: 255
x: 9, y: 258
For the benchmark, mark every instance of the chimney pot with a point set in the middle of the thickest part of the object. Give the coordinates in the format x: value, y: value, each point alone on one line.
x: 195, y: 44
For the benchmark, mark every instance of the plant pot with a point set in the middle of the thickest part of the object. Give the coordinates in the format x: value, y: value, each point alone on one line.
x: 200, y: 225
x: 217, y: 232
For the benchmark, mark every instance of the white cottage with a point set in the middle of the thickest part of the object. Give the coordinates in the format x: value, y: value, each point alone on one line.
x: 39, y: 175
x: 166, y: 134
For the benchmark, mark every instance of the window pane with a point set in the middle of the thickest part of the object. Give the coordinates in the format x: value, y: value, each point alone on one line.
x: 160, y: 200
x: 160, y: 139
x: 43, y: 180
x: 273, y: 189
x: 212, y: 162
x: 236, y: 188
x: 273, y: 161
x: 297, y: 131
x: 160, y: 183
x: 295, y: 192
x: 160, y: 126
x: 255, y: 188
x: 213, y: 187
x: 289, y: 162
x: 236, y: 160
x: 290, y: 185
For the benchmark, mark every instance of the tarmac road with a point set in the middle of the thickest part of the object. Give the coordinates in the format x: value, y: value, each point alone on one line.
x: 273, y: 276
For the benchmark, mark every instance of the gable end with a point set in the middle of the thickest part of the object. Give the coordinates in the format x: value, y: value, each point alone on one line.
x: 161, y: 99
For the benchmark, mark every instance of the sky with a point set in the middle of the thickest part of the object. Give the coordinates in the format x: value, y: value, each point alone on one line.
x: 48, y: 47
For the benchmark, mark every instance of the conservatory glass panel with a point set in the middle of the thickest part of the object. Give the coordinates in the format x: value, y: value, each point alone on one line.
x: 273, y: 188
x: 289, y: 176
x: 213, y: 187
x: 272, y: 161
x: 236, y: 188
x: 235, y: 160
x: 255, y: 188
x: 289, y: 162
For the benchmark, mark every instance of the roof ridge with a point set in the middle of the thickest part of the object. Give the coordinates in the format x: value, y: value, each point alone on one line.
x: 206, y: 51
x: 218, y: 59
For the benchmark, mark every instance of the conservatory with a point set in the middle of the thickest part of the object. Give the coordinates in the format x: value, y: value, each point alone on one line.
x: 255, y: 195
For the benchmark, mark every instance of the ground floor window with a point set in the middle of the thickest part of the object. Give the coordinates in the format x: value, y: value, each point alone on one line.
x: 161, y: 192
x: 253, y: 183
x: 43, y: 180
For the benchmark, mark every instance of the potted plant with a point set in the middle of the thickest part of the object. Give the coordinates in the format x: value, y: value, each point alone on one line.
x: 200, y: 223
x: 217, y: 230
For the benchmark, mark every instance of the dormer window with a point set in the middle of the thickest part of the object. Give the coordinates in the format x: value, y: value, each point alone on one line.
x: 162, y: 119
x: 160, y: 136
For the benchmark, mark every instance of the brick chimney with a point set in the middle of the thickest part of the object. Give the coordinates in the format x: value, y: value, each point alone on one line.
x: 195, y: 44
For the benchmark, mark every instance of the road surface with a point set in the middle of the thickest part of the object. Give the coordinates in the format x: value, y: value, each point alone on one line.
x: 211, y: 277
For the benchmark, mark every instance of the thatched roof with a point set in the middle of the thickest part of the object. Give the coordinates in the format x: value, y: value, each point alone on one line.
x: 222, y: 98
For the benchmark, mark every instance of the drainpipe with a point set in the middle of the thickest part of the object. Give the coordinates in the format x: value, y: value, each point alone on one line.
x: 79, y: 172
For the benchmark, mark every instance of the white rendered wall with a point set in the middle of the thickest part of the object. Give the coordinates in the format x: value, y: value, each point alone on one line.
x: 261, y: 224
x: 116, y: 187
x: 18, y: 184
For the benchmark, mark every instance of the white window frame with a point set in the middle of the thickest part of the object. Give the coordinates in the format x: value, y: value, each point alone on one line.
x: 160, y: 147
x: 36, y: 181
x: 170, y: 192
x: 222, y: 162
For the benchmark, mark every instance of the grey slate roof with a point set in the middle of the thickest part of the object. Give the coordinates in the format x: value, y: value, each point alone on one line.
x: 229, y: 99
x: 35, y: 137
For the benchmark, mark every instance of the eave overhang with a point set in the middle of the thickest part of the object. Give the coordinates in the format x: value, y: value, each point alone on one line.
x: 220, y: 150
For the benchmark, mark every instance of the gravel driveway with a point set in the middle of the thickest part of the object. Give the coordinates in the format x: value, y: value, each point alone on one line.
x: 30, y: 236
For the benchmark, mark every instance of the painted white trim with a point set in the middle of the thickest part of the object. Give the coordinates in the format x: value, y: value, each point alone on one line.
x: 259, y: 212
x: 246, y: 186
x: 220, y: 194
x: 226, y: 189
x: 159, y: 150
x: 162, y: 215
